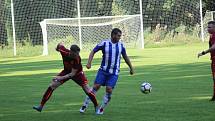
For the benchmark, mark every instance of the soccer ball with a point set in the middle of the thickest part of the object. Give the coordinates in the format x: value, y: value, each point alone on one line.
x: 146, y: 88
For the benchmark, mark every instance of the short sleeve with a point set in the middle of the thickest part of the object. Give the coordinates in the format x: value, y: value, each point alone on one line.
x: 99, y: 46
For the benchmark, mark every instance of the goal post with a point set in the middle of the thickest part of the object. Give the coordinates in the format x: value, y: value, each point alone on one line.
x: 82, y: 30
x: 165, y: 22
x: 93, y: 30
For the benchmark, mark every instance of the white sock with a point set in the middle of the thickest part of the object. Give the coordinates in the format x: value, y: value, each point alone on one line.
x: 87, y: 99
x: 106, y: 100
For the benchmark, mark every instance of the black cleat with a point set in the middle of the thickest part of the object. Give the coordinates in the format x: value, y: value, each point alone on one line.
x: 83, y: 109
x: 213, y: 98
x: 38, y: 108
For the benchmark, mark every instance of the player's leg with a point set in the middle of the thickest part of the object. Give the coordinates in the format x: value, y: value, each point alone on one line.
x: 110, y: 84
x: 87, y: 98
x: 91, y: 95
x: 100, y: 80
x: 82, y: 81
x: 53, y: 85
x: 213, y: 74
x: 106, y: 100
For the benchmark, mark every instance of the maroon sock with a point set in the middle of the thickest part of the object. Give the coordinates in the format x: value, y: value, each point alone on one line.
x: 46, y: 96
x: 93, y: 98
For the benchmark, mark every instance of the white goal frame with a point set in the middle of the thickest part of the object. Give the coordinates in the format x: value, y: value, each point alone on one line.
x: 59, y: 21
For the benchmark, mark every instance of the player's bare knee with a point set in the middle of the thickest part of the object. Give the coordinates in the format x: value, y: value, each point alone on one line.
x: 109, y: 89
x: 54, y: 84
x: 86, y: 89
x: 96, y: 87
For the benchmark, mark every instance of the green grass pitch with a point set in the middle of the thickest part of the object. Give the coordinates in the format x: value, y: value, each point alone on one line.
x: 182, y: 87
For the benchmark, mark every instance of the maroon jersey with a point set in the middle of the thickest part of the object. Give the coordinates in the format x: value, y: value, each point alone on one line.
x: 69, y: 62
x: 211, y: 42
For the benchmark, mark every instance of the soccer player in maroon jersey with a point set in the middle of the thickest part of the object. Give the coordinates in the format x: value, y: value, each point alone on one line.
x: 72, y: 70
x: 211, y: 50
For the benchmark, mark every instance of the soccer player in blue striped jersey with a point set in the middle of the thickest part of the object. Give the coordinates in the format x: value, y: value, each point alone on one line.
x: 107, y: 75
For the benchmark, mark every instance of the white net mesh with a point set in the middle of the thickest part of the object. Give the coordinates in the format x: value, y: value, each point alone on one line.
x: 164, y: 21
x: 209, y: 16
x: 93, y: 30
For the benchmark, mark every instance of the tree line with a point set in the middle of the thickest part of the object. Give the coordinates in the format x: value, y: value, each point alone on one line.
x: 28, y: 14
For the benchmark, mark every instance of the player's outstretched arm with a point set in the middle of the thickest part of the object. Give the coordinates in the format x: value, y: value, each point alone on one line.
x: 212, y: 48
x: 59, y: 45
x: 90, y: 59
x: 128, y: 62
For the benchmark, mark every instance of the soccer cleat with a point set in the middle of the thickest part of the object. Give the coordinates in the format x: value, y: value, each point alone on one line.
x: 96, y: 108
x: 38, y: 108
x: 83, y: 109
x: 213, y: 98
x: 100, y: 111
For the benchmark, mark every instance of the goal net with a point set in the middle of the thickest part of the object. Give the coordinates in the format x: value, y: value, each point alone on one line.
x: 209, y: 16
x: 174, y: 21
x: 89, y: 31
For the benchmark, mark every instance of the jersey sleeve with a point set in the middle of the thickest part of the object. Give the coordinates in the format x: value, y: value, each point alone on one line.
x: 63, y: 50
x: 99, y: 46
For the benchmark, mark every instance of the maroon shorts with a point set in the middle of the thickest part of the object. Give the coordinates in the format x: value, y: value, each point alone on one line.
x: 79, y: 78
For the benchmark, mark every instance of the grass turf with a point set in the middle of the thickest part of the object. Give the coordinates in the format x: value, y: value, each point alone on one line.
x: 182, y: 87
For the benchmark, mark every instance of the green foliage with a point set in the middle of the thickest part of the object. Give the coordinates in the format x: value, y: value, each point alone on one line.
x: 208, y: 5
x: 161, y: 37
x: 22, y: 50
x: 28, y: 14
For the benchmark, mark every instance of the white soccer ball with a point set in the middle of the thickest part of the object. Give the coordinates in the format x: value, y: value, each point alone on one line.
x: 146, y: 88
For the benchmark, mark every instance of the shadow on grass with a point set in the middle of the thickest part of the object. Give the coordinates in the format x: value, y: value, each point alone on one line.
x: 41, y: 65
x: 172, y: 84
x: 163, y: 71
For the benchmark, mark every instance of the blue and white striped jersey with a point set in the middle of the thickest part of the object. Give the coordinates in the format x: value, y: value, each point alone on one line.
x: 111, y: 55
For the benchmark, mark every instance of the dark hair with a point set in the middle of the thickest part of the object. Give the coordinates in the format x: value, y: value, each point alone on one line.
x: 211, y: 22
x: 116, y: 31
x: 75, y: 48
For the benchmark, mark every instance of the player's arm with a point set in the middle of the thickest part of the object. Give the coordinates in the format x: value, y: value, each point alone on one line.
x: 212, y: 48
x: 90, y: 59
x: 128, y: 62
x: 61, y: 48
x: 92, y: 53
x: 67, y: 76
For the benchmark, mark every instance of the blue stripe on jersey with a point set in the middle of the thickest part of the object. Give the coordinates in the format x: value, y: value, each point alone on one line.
x: 116, y: 55
x: 118, y: 59
x: 103, y: 57
x: 109, y: 57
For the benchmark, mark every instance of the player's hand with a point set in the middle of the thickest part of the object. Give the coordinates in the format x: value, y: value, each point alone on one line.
x: 88, y: 66
x: 201, y: 54
x: 58, y: 46
x: 131, y: 71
